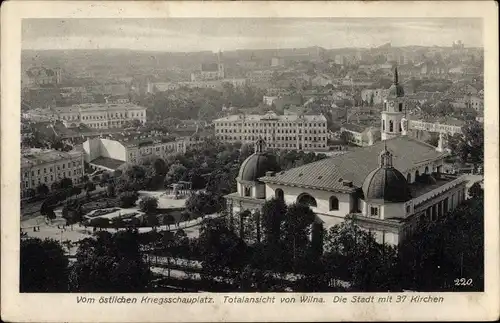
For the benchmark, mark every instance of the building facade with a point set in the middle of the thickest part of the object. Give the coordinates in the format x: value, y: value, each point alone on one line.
x: 290, y: 132
x: 94, y: 115
x: 48, y: 166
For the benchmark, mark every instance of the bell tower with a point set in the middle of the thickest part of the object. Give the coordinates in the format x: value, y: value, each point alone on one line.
x: 393, y: 110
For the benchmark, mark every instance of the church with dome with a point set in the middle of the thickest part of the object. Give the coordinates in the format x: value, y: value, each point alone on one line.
x: 389, y: 188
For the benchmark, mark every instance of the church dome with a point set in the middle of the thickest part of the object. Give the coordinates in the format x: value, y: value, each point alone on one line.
x: 386, y: 183
x: 257, y: 164
x: 396, y: 90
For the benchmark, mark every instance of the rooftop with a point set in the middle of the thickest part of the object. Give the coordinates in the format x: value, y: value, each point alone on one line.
x: 35, y: 157
x: 354, y: 166
x: 107, y: 162
x: 271, y: 116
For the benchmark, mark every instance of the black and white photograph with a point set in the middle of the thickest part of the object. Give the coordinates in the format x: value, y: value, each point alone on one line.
x: 212, y: 161
x: 252, y: 155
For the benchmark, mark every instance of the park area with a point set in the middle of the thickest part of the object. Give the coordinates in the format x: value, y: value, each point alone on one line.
x: 102, y: 214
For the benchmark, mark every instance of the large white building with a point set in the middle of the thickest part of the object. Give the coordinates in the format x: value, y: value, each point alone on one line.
x: 389, y: 188
x: 290, y: 132
x: 48, y: 166
x: 93, y: 115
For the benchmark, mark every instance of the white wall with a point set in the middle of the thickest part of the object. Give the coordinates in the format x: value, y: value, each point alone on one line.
x: 322, y: 199
x: 113, y: 149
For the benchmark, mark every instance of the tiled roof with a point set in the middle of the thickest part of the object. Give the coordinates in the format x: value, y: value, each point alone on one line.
x: 37, y: 156
x: 329, y: 173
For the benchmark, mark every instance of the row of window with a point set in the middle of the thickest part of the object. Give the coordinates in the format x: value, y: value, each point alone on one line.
x: 51, y: 169
x: 270, y: 124
x: 270, y: 131
x: 309, y: 200
x: 46, y: 180
x: 278, y: 138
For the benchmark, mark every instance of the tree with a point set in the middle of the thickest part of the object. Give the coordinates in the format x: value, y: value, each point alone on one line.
x: 433, y: 140
x: 110, y: 190
x: 151, y: 220
x: 127, y: 199
x: 168, y: 219
x: 148, y: 204
x: 42, y: 189
x: 110, y: 263
x: 43, y: 267
x: 297, y: 227
x: 201, y: 203
x: 89, y: 187
x: 475, y: 191
x: 451, y: 247
x: 66, y: 183
x: 76, y: 190
x: 176, y: 173
x: 273, y: 213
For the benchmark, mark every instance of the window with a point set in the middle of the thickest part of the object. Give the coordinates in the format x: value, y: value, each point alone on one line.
x: 400, y: 107
x: 374, y: 211
x: 408, y: 208
x: 391, y: 126
x: 279, y: 194
x: 307, y: 199
x: 248, y: 191
x: 383, y: 125
x: 408, y: 178
x: 334, y: 203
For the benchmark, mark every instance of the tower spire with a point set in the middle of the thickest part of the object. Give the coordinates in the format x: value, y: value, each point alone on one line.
x: 396, y: 75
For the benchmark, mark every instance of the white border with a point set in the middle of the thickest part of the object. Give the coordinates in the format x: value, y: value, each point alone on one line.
x: 63, y: 307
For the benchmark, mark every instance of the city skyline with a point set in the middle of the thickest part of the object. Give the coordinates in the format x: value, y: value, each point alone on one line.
x: 226, y: 34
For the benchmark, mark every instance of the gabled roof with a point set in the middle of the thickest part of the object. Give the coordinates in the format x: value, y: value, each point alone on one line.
x: 329, y: 173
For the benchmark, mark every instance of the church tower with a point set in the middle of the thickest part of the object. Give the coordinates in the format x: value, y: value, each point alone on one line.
x: 393, y: 111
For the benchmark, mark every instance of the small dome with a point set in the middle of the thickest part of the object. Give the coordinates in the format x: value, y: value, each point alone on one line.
x: 386, y: 183
x: 257, y: 164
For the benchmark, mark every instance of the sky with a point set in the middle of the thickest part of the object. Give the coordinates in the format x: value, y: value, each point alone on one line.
x: 213, y: 34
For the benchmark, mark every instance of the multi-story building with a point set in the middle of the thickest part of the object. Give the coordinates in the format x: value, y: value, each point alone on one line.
x: 110, y: 153
x: 48, y: 166
x: 210, y: 71
x: 301, y: 132
x: 277, y: 62
x: 360, y: 135
x: 94, y: 115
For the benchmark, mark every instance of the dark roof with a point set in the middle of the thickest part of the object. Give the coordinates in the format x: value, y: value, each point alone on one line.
x: 386, y: 184
x: 256, y: 166
x: 107, y: 162
x: 355, y: 166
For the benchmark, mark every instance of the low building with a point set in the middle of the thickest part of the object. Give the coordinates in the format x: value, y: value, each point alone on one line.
x: 297, y: 132
x: 111, y: 153
x: 360, y: 135
x: 48, y: 166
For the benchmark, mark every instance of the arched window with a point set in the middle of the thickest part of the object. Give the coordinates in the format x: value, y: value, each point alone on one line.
x: 307, y: 199
x: 334, y: 203
x: 278, y: 193
x: 426, y: 170
x: 391, y: 126
x: 248, y: 191
x: 417, y: 174
x: 408, y: 178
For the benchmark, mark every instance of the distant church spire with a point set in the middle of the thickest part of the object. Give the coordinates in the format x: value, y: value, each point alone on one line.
x: 396, y: 75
